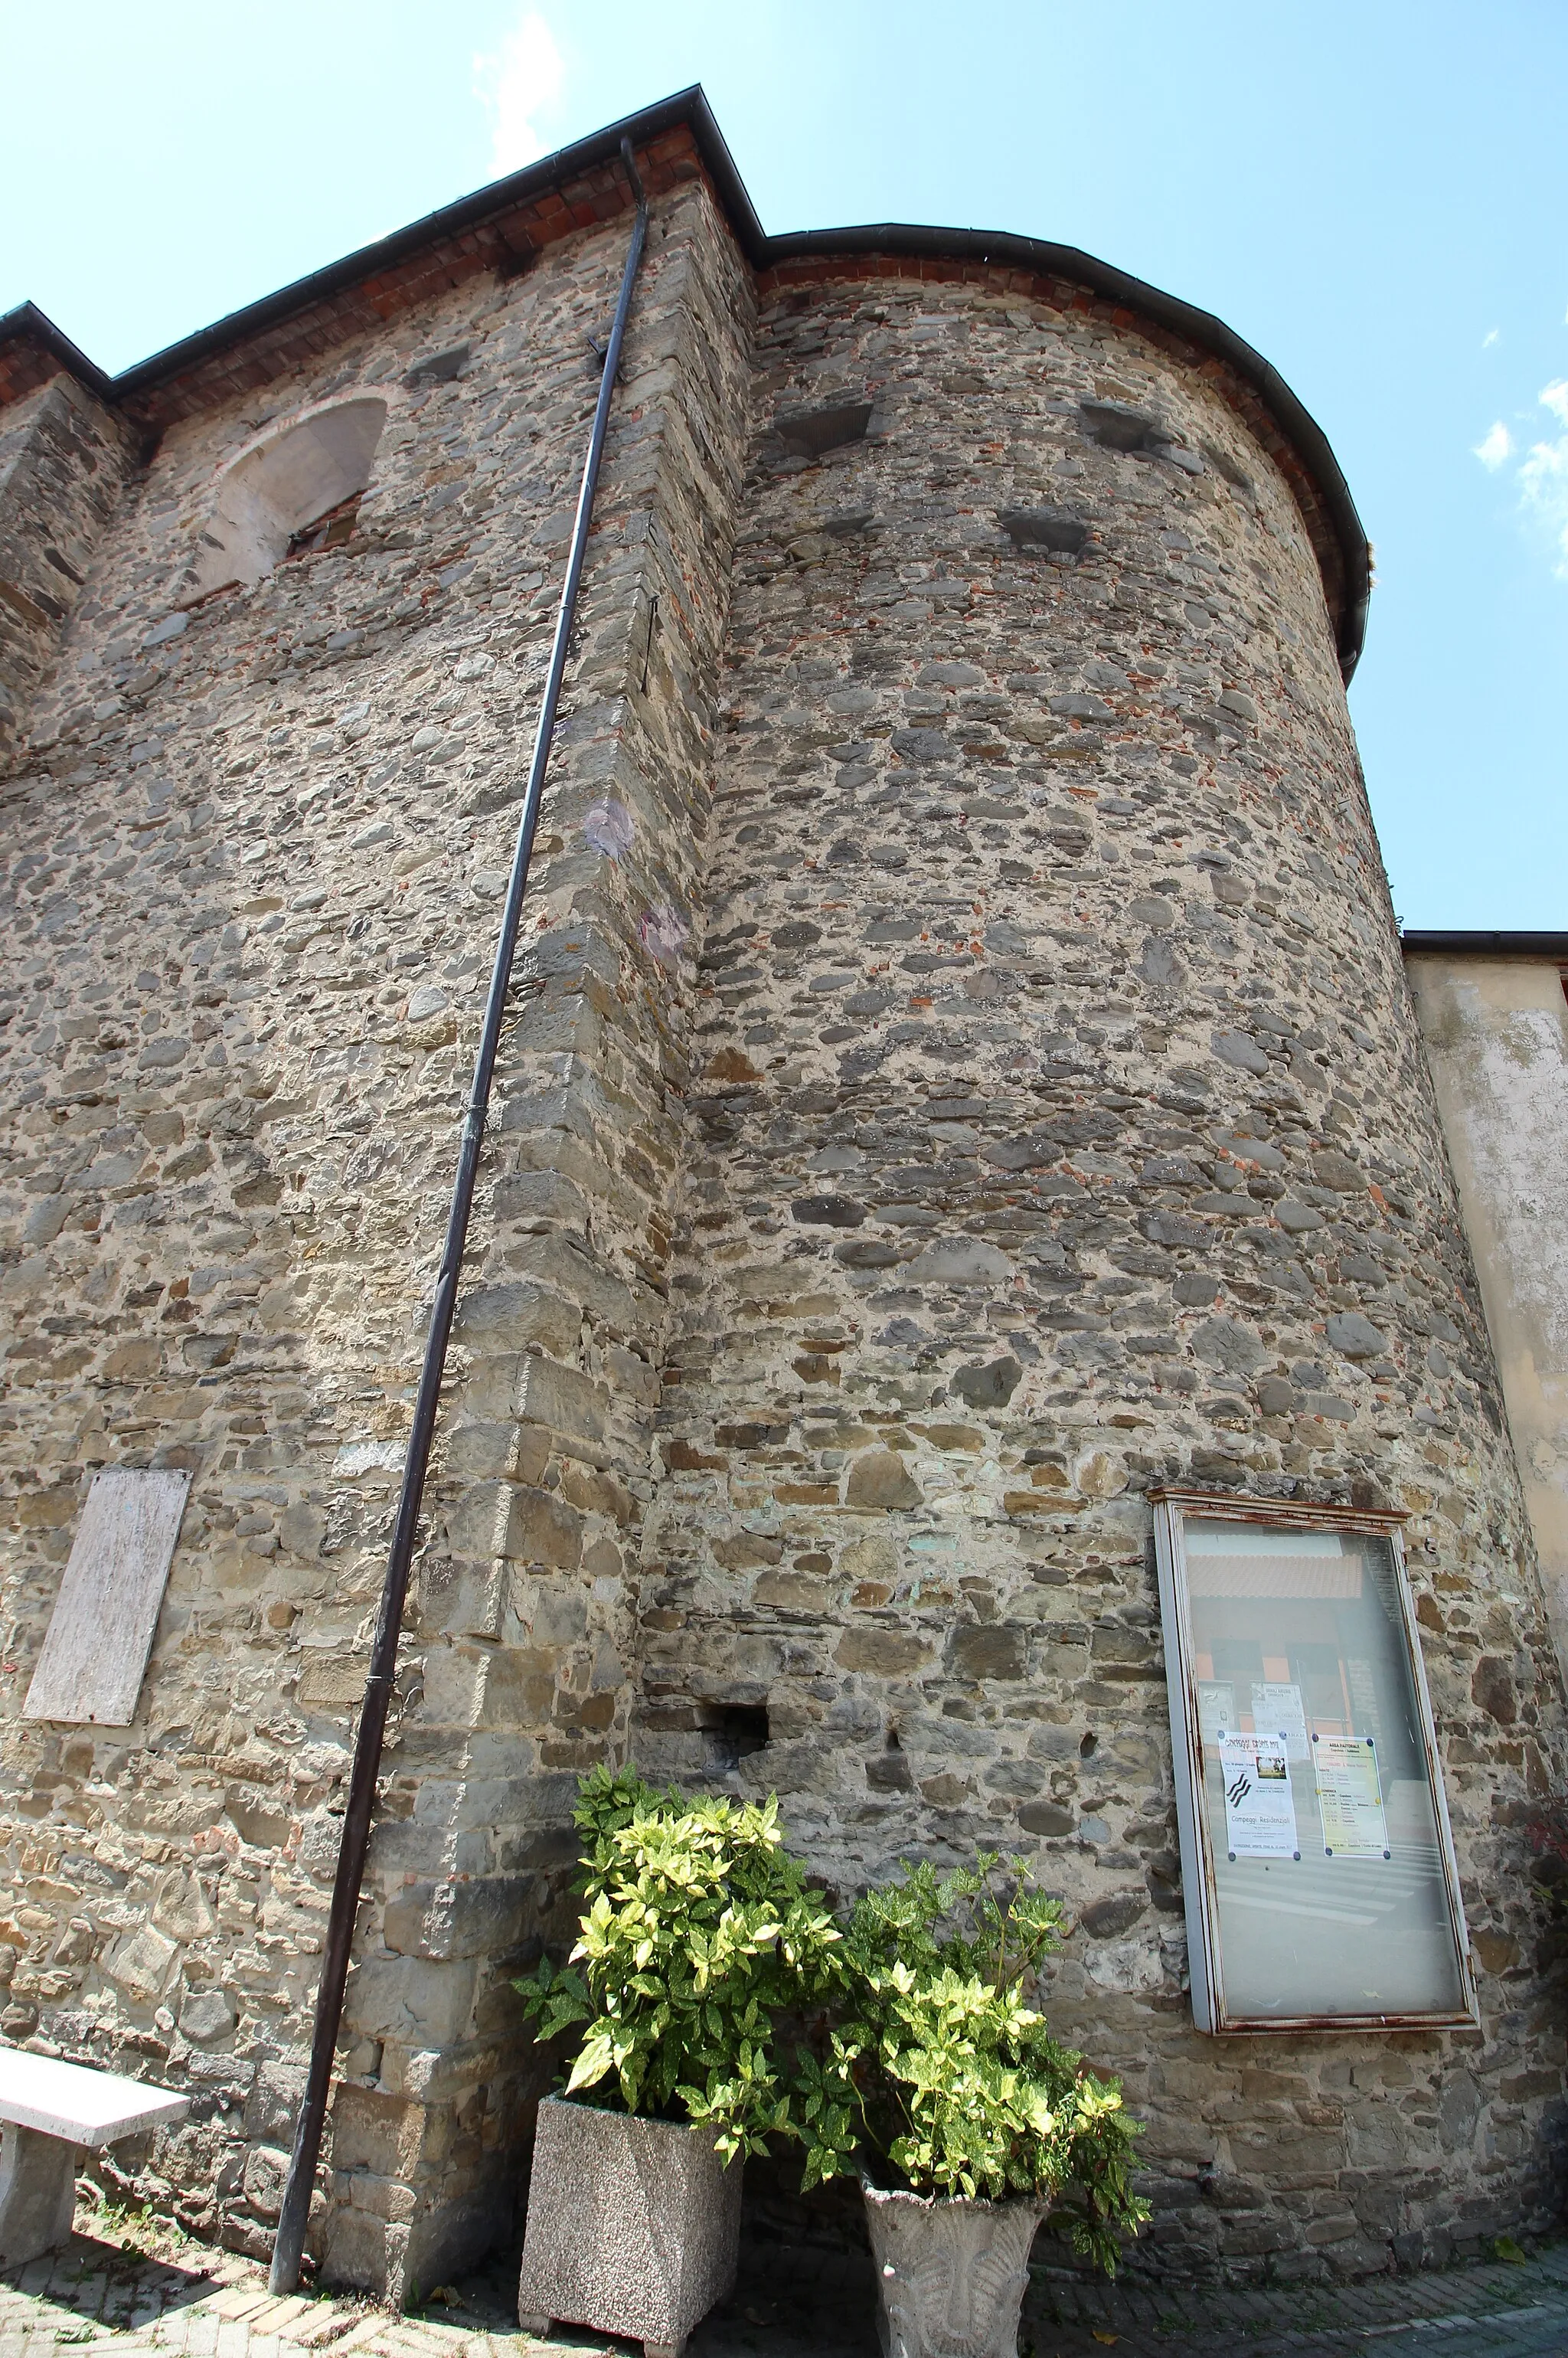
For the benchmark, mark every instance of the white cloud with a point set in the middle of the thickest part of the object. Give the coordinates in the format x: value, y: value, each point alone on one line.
x: 1495, y: 446
x: 1543, y: 475
x: 518, y: 83
x: 1490, y: 337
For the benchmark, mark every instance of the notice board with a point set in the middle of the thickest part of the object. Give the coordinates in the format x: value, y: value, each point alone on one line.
x: 1317, y: 1863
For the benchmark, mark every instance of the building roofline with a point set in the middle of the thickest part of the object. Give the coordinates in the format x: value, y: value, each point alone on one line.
x: 29, y: 340
x: 1549, y: 949
x: 688, y: 107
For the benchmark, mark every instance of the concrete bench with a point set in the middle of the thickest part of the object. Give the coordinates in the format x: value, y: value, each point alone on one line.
x: 48, y: 2112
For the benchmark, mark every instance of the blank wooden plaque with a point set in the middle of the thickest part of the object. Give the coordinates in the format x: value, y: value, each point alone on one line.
x: 101, y: 1632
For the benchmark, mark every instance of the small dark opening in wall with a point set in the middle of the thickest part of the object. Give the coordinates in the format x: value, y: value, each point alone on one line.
x: 808, y: 433
x: 438, y: 368
x: 733, y: 1730
x: 1054, y: 528
x: 1116, y: 425
x: 328, y: 530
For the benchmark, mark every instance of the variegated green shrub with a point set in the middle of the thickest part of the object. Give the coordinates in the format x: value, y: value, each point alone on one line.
x: 697, y: 1933
x: 938, y: 2074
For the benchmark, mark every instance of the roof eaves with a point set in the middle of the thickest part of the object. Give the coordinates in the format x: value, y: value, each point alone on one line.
x: 26, y: 324
x: 1548, y: 948
x: 1185, y: 320
x: 690, y: 109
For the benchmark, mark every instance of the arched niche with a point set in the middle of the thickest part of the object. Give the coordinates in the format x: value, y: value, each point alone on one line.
x: 270, y: 497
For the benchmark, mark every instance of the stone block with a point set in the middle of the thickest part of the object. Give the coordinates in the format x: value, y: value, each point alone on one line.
x: 511, y: 1317
x: 879, y: 1478
x: 571, y: 1404
x: 272, y: 2108
x: 420, y: 2002
x: 267, y: 2166
x: 142, y: 1962
x: 991, y: 1385
x: 882, y: 1651
x: 477, y: 1522
x: 541, y: 1527
x: 1354, y: 1336
x: 381, y: 2134
x: 959, y: 1260
x: 460, y: 1599
x: 397, y: 2261
x: 988, y: 1649
x: 332, y: 1682
x: 206, y: 2016
x: 483, y: 1917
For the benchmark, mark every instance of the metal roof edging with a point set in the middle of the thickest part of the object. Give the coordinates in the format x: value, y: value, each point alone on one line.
x: 1197, y: 326
x: 1548, y: 948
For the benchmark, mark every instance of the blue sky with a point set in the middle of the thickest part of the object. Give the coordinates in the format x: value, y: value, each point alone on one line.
x: 1375, y: 194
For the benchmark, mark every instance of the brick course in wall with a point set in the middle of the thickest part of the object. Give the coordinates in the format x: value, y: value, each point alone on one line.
x: 959, y: 1075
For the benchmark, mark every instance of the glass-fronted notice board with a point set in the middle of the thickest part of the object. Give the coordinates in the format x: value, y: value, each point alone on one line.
x: 1317, y: 1863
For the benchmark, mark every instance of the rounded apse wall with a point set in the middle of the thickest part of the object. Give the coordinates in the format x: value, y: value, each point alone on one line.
x: 1060, y: 1128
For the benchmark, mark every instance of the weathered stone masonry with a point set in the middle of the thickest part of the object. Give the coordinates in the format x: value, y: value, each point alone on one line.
x: 960, y: 1076
x: 251, y: 957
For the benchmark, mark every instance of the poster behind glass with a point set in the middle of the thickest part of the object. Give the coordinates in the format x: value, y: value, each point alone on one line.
x: 1329, y: 1873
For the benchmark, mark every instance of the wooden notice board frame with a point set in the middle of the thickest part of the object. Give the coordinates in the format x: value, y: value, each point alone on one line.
x: 1212, y: 2011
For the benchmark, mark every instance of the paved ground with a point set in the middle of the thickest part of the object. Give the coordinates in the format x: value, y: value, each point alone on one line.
x: 129, y: 2292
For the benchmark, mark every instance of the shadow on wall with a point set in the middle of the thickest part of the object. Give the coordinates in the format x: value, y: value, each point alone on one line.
x: 274, y: 497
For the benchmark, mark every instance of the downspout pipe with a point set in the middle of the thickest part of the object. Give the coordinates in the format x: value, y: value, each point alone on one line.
x: 294, y: 2217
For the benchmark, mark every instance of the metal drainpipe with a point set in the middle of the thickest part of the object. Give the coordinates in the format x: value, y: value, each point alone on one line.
x: 295, y: 2213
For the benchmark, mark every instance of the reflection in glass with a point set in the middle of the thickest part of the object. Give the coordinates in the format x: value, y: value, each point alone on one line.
x: 1298, y: 1636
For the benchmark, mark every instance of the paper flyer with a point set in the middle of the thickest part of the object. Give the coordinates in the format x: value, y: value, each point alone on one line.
x: 1279, y: 1706
x: 1349, y: 1797
x: 1216, y: 1708
x: 1259, y: 1810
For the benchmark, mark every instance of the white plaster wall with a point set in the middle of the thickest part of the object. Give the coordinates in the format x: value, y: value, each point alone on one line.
x: 1497, y: 1038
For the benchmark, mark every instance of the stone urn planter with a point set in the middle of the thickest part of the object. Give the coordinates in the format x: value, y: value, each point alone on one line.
x: 633, y: 2227
x: 952, y: 2273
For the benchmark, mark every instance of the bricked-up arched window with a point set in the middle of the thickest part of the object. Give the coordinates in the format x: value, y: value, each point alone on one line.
x: 297, y: 491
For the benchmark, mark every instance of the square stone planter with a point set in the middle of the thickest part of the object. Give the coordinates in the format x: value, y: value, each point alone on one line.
x: 634, y: 2226
x: 951, y: 2273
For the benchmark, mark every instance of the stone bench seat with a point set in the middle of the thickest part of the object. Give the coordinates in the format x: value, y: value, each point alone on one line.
x: 48, y: 2112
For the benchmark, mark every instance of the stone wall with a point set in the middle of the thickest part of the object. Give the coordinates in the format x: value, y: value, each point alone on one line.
x: 1000, y: 1097
x: 64, y: 458
x: 257, y: 852
x: 1062, y: 1127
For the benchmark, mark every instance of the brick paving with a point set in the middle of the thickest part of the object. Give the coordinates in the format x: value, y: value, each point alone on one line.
x: 123, y: 2287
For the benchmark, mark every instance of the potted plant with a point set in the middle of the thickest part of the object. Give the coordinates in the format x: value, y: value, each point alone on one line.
x: 968, y: 2119
x: 697, y: 1933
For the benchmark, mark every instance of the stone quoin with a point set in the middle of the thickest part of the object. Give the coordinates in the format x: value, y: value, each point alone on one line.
x: 960, y: 1077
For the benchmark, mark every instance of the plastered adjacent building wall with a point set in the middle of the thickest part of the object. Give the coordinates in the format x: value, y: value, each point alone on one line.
x: 1497, y: 1038
x: 959, y: 1074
